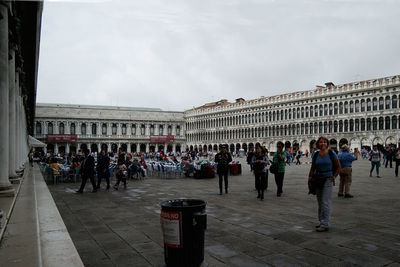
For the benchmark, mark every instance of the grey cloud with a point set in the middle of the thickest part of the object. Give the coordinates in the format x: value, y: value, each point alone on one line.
x: 185, y: 53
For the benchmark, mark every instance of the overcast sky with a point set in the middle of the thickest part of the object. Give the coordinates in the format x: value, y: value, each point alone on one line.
x: 177, y: 54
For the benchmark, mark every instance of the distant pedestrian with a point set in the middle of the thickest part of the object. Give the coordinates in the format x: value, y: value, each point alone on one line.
x: 326, y: 166
x: 260, y: 161
x: 389, y: 156
x: 250, y: 155
x: 279, y: 160
x: 298, y: 156
x: 346, y: 161
x: 121, y: 173
x: 103, y: 171
x: 222, y: 159
x: 375, y: 157
x: 397, y: 159
x: 87, y: 171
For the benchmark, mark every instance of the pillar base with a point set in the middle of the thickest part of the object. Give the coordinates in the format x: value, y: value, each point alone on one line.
x: 7, y: 191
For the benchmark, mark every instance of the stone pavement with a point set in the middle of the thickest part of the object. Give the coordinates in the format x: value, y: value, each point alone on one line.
x: 122, y: 228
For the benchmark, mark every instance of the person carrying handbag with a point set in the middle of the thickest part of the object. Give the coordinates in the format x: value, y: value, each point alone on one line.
x: 259, y: 162
x: 324, y: 169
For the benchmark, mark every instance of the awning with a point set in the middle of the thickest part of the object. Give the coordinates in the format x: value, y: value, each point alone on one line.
x: 33, y: 142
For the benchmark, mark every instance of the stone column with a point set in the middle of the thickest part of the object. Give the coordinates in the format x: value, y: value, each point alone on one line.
x: 147, y: 130
x: 55, y: 148
x: 5, y: 186
x: 128, y: 129
x: 20, y: 133
x: 147, y: 146
x: 12, y: 116
x: 174, y: 129
x: 174, y: 147
x: 67, y: 148
x: 128, y: 147
x: 67, y: 126
x: 109, y: 125
x: 119, y: 127
x: 156, y: 129
x: 165, y: 148
x: 156, y: 148
x: 138, y: 148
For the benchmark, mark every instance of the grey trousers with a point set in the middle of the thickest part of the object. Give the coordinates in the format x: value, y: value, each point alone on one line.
x: 324, y: 197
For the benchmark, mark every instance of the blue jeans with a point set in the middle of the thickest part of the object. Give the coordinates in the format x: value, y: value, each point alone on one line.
x: 373, y: 164
x: 324, y: 197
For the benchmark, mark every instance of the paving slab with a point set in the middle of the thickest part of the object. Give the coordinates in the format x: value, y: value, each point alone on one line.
x: 122, y: 228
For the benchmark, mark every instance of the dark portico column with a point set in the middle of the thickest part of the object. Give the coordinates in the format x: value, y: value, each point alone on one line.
x: 5, y: 186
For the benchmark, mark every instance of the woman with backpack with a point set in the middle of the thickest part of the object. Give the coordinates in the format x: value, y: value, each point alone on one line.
x: 324, y: 169
x: 259, y: 162
x: 375, y: 157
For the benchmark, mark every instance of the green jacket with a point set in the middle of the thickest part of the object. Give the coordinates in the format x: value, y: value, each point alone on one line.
x: 281, y: 163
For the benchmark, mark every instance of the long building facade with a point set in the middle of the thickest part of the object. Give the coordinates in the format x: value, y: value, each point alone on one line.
x: 70, y: 128
x: 358, y: 113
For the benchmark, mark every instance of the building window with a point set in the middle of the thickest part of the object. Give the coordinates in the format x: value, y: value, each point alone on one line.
x: 357, y: 106
x: 387, y: 102
x: 161, y: 130
x: 357, y: 124
x: 142, y: 129
x: 351, y: 106
x: 321, y: 111
x: 381, y: 103
x: 346, y: 126
x: 114, y: 129
x: 133, y: 129
x: 169, y: 130
x: 335, y: 108
x: 374, y: 124
x: 394, y: 122
x: 374, y: 104
x: 381, y: 123
x: 38, y: 128
x: 123, y: 129
x: 61, y: 128
x: 104, y: 129
x: 50, y: 128
x: 341, y: 108
x: 362, y: 105
x: 346, y: 107
x: 72, y: 128
x: 83, y: 129
x: 369, y: 124
x: 362, y: 124
x: 335, y: 126
x: 94, y: 128
x: 178, y: 130
x: 387, y: 123
x: 151, y: 129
